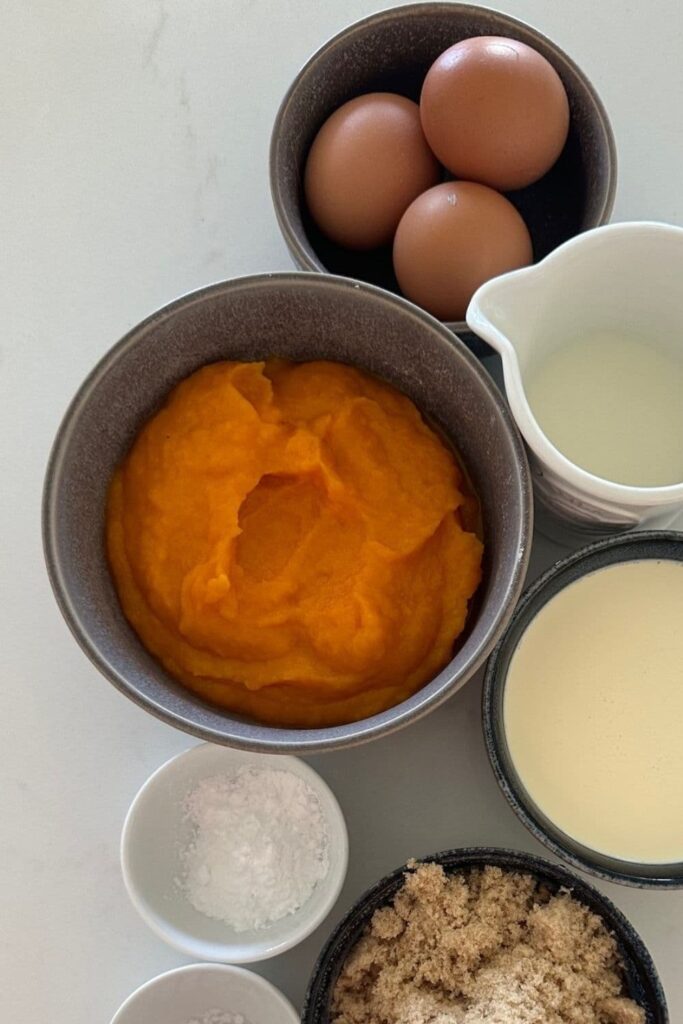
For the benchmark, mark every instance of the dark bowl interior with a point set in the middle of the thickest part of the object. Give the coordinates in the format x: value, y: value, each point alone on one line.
x: 392, y: 51
x: 299, y: 317
x: 654, y: 544
x: 640, y: 975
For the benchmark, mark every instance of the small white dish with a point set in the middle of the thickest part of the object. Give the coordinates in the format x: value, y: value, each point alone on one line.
x: 189, y: 993
x: 156, y: 830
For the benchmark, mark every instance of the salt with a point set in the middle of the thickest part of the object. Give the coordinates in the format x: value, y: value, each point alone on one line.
x: 259, y: 847
x: 219, y: 1017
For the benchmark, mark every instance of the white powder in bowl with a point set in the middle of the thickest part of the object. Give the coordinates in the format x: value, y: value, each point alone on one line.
x: 219, y: 1017
x: 259, y: 846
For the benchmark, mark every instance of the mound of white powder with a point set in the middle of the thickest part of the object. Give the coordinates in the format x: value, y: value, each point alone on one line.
x: 259, y: 846
x: 219, y: 1017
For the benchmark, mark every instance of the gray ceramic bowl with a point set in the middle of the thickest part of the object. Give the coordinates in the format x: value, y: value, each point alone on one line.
x: 654, y: 544
x: 300, y: 317
x: 392, y: 51
x: 641, y: 980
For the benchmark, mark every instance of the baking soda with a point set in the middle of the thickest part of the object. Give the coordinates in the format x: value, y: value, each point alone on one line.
x: 259, y: 847
x: 219, y: 1017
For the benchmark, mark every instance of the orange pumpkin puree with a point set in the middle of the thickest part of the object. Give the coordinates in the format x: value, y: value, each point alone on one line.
x: 287, y: 540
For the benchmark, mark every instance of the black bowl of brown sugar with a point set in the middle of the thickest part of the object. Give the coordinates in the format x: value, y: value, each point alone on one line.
x: 484, y: 934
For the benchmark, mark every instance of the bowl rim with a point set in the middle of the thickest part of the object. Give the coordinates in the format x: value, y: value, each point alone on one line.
x: 240, y: 952
x: 622, y: 872
x: 510, y: 860
x: 231, y: 970
x: 271, y: 739
x: 304, y: 255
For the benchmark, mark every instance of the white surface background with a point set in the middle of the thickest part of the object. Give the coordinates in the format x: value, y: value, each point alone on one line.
x: 134, y: 168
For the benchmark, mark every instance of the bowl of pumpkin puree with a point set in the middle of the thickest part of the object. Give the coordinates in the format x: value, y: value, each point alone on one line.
x: 287, y: 512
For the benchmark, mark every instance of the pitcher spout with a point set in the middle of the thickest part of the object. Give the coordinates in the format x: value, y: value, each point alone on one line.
x: 501, y: 312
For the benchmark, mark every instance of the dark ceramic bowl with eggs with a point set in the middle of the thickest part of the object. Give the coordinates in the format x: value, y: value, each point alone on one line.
x: 391, y: 51
x: 658, y: 545
x: 640, y: 979
x: 300, y: 317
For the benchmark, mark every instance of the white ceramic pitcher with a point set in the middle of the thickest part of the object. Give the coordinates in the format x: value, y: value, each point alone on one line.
x: 623, y: 277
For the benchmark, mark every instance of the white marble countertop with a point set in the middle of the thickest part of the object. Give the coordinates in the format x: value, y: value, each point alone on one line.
x: 135, y: 139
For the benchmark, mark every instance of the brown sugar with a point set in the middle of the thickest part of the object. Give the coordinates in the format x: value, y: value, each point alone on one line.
x: 485, y: 947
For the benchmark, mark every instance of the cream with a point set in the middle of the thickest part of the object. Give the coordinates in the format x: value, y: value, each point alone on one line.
x: 593, y: 710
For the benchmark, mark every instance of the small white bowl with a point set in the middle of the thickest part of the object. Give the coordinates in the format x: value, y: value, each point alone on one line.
x: 188, y: 993
x: 156, y: 830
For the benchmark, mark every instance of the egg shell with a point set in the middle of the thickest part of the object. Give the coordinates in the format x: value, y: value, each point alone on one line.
x: 367, y: 163
x: 495, y: 111
x: 451, y: 240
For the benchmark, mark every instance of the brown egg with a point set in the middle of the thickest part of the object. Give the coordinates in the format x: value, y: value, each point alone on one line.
x: 366, y: 165
x: 452, y: 239
x: 495, y: 111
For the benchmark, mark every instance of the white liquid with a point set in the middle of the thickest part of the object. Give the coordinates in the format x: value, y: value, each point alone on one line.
x: 613, y: 405
x: 593, y: 711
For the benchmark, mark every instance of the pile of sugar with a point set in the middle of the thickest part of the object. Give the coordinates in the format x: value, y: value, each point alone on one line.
x: 259, y: 846
x: 219, y: 1017
x: 486, y: 947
